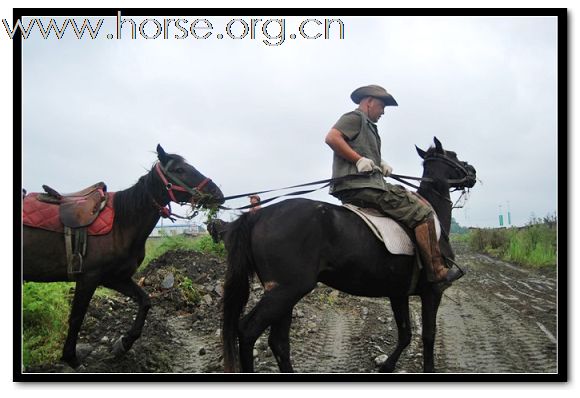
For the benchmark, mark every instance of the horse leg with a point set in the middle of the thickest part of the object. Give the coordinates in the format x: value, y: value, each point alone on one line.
x: 129, y: 288
x: 84, y: 290
x: 279, y: 342
x: 400, y: 306
x: 274, y: 305
x: 429, y: 306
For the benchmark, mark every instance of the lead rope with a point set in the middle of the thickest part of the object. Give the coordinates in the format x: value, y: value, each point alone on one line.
x: 326, y: 183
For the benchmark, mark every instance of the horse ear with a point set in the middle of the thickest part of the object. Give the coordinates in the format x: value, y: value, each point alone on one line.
x: 163, y: 158
x: 438, y: 144
x: 421, y: 152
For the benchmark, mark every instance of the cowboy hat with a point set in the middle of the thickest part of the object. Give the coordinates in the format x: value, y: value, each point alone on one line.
x: 373, y: 91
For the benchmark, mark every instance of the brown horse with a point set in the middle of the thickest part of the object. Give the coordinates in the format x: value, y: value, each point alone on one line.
x: 113, y: 258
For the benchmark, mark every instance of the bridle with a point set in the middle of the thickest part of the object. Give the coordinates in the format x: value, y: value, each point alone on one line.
x: 172, y: 183
x: 467, y: 175
x: 468, y: 179
x: 177, y: 184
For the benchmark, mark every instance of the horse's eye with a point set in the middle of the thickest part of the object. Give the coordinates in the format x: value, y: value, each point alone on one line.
x: 179, y: 170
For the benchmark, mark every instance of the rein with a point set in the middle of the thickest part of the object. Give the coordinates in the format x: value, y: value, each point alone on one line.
x: 327, y: 182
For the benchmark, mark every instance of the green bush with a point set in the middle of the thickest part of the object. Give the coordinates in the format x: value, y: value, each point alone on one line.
x: 189, y: 291
x: 205, y: 244
x: 534, y: 245
x: 45, y: 310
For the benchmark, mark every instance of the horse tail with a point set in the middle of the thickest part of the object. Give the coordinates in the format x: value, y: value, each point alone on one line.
x: 237, y: 285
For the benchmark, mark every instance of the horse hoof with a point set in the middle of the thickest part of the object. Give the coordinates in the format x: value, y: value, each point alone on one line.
x: 119, y: 349
x: 387, y: 368
x: 74, y: 363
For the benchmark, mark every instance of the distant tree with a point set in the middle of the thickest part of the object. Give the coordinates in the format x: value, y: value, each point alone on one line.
x: 456, y: 228
x: 551, y: 220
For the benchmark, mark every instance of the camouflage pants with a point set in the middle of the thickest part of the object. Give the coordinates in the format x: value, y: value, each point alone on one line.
x: 395, y: 202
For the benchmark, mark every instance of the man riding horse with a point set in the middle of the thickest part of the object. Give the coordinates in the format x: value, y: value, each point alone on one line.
x: 356, y: 144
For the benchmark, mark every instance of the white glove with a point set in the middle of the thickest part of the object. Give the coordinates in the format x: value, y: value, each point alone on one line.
x: 365, y: 165
x: 385, y: 168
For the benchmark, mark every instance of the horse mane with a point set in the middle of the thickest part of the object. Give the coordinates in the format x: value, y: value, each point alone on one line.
x: 128, y: 204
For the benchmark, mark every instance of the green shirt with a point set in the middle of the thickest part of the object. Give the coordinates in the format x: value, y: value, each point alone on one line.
x: 363, y: 137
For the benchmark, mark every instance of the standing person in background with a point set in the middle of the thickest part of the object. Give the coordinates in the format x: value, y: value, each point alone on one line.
x: 255, y: 202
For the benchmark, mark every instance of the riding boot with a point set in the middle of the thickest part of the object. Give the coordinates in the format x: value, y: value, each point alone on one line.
x: 430, y: 253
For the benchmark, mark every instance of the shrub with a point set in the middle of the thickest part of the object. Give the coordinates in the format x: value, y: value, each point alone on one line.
x: 45, y: 310
x: 534, y: 245
x: 205, y: 244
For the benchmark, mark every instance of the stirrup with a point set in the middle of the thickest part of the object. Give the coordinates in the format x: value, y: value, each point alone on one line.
x: 454, y: 274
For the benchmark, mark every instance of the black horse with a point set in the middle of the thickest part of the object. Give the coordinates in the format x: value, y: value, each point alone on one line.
x: 296, y: 243
x: 112, y: 259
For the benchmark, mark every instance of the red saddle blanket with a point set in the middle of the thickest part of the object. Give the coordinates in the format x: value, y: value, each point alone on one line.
x: 43, y: 215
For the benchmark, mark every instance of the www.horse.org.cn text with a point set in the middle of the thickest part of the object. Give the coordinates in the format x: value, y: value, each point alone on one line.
x: 271, y: 32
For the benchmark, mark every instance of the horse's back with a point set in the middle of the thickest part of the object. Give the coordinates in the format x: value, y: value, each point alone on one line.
x: 321, y: 241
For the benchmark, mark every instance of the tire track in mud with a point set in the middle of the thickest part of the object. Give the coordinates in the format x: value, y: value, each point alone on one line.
x: 335, y: 338
x: 499, y: 318
x: 491, y: 322
x: 334, y: 346
x: 195, y: 353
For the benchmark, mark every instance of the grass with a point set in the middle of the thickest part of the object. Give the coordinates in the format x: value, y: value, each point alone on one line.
x: 46, y: 306
x: 45, y: 309
x: 534, y: 245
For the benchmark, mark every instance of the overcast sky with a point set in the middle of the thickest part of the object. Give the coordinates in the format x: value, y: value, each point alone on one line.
x: 254, y: 117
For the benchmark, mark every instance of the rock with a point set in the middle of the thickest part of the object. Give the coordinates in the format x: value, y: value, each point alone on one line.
x: 207, y: 299
x: 255, y: 353
x: 365, y: 311
x: 219, y: 289
x: 83, y: 350
x: 105, y: 340
x: 202, y: 351
x: 334, y: 294
x: 218, y: 332
x: 262, y: 344
x: 381, y: 359
x: 256, y: 286
x: 168, y: 281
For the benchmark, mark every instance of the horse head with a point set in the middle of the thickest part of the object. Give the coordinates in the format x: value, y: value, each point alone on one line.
x: 183, y: 183
x: 444, y: 165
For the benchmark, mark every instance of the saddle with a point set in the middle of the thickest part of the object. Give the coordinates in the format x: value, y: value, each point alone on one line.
x: 78, y: 209
x: 397, y: 240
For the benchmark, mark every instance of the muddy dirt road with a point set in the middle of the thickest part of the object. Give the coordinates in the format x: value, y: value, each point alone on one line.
x: 500, y: 318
